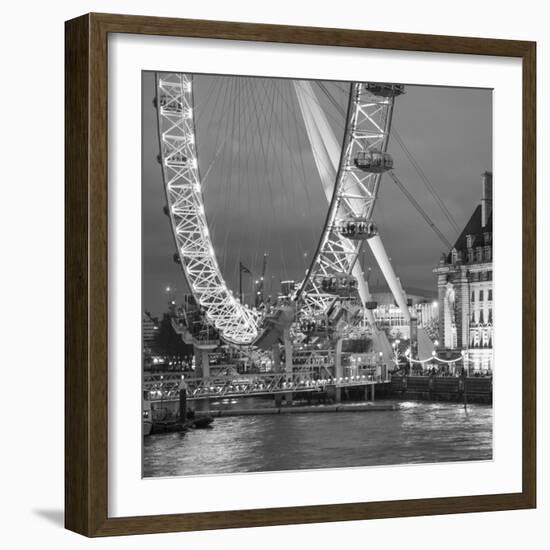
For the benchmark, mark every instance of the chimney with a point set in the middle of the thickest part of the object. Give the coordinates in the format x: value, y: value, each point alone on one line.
x: 486, y: 197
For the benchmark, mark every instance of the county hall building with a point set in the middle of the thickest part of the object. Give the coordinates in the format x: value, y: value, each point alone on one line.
x: 465, y: 288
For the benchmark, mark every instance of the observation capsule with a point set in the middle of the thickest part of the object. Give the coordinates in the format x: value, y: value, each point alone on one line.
x: 357, y: 228
x: 384, y: 89
x: 339, y: 284
x: 371, y: 305
x: 176, y: 159
x: 170, y: 104
x: 374, y: 162
x: 314, y: 327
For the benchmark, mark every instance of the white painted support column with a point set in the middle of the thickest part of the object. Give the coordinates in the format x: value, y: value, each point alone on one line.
x: 383, y: 261
x: 288, y: 360
x: 288, y: 351
x: 338, y: 368
x: 205, y: 363
x: 202, y: 361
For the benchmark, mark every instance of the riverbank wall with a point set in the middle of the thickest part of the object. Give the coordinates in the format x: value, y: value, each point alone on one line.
x: 298, y: 409
x: 439, y: 388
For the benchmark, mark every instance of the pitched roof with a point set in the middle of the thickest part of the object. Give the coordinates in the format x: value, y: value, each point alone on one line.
x: 473, y: 227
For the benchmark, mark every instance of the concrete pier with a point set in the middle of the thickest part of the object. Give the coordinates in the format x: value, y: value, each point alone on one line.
x: 348, y: 407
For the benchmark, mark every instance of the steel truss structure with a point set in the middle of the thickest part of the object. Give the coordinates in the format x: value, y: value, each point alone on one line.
x: 236, y: 323
x: 367, y: 129
x: 167, y: 386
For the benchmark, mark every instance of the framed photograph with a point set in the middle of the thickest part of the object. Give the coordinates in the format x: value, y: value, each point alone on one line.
x: 300, y: 275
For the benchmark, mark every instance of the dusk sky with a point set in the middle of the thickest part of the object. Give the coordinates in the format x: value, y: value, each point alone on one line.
x: 262, y: 191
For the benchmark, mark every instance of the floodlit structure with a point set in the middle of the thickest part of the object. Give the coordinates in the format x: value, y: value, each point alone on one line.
x: 334, y: 291
x: 351, y: 190
x: 465, y: 284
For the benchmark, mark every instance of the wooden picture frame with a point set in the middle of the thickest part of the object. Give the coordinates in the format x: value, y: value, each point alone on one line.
x: 86, y: 281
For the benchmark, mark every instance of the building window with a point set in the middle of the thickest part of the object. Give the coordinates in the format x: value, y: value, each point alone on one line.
x: 473, y: 296
x: 479, y: 254
x: 481, y: 321
x: 490, y: 294
x: 473, y: 317
x: 481, y: 295
x: 490, y: 317
x: 488, y: 254
x: 489, y: 275
x: 469, y: 241
x: 487, y: 238
x: 470, y: 255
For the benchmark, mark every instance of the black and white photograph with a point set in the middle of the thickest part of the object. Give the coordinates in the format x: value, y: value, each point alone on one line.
x: 317, y: 274
x: 288, y: 265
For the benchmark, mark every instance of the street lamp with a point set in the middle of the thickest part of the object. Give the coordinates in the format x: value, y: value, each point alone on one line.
x: 464, y: 362
x: 408, y: 356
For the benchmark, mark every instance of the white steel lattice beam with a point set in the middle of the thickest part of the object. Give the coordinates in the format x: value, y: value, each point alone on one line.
x: 354, y: 193
x: 367, y: 128
x: 236, y: 323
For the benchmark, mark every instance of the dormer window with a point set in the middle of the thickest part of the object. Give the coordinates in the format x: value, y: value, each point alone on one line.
x: 454, y: 255
x: 469, y: 241
x: 487, y: 237
x: 479, y: 254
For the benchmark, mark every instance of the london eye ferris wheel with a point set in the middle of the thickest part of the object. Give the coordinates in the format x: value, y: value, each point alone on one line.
x: 348, y: 169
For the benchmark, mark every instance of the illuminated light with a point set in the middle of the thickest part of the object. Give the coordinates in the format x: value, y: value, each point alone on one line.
x: 433, y: 353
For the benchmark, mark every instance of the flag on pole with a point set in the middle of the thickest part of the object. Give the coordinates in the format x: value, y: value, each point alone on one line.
x: 244, y: 269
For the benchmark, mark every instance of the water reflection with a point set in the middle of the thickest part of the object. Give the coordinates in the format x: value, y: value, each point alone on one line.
x: 418, y: 432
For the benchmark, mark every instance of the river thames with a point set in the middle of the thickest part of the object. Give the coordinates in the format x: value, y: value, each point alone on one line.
x: 418, y: 432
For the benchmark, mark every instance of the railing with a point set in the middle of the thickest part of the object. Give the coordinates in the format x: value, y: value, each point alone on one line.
x: 167, y: 386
